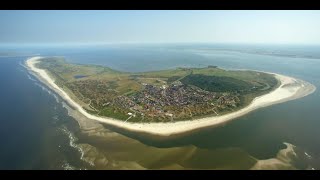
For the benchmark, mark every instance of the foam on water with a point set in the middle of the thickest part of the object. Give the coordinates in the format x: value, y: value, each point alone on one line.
x: 64, y: 105
x: 29, y: 77
x: 307, y: 155
x: 67, y: 166
x: 22, y: 64
x: 73, y: 139
x: 63, y: 129
x: 29, y: 74
x: 48, y: 91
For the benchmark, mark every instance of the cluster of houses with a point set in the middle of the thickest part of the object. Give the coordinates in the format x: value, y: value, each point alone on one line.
x: 152, y: 100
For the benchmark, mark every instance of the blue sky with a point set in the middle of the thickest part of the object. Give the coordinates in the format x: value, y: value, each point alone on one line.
x: 271, y: 27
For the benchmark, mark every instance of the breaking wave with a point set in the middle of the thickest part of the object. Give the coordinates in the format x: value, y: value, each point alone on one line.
x: 38, y: 84
x: 22, y: 64
x: 73, y: 139
x: 29, y: 77
x: 48, y: 91
x: 67, y: 166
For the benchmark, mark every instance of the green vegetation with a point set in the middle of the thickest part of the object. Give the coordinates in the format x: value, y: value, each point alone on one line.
x: 158, y: 96
x: 216, y: 83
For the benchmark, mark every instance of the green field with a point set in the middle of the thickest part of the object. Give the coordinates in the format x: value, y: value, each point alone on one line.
x: 158, y: 96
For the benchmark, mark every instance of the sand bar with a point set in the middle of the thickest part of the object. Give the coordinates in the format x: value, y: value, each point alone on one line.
x: 289, y: 89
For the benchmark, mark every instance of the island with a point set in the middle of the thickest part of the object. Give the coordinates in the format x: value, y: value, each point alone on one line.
x: 165, y: 102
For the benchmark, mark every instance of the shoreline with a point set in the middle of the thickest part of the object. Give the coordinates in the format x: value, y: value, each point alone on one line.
x: 289, y: 89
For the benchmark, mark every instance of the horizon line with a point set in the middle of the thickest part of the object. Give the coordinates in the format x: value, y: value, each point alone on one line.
x: 150, y: 43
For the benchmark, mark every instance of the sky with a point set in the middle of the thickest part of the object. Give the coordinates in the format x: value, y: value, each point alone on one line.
x: 57, y: 27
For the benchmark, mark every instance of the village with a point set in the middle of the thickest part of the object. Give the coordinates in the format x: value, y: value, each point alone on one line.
x: 175, y: 101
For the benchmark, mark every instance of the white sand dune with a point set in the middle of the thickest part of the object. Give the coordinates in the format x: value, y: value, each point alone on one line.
x: 289, y: 89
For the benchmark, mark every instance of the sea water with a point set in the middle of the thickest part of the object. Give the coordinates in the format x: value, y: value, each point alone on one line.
x: 37, y: 131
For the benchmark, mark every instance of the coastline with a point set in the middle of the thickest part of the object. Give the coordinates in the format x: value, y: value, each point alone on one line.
x: 289, y: 89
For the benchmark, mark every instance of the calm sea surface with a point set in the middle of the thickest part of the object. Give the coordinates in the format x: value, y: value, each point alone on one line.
x: 36, y: 131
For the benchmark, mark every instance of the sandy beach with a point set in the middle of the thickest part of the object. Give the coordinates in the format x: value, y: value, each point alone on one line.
x: 289, y: 89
